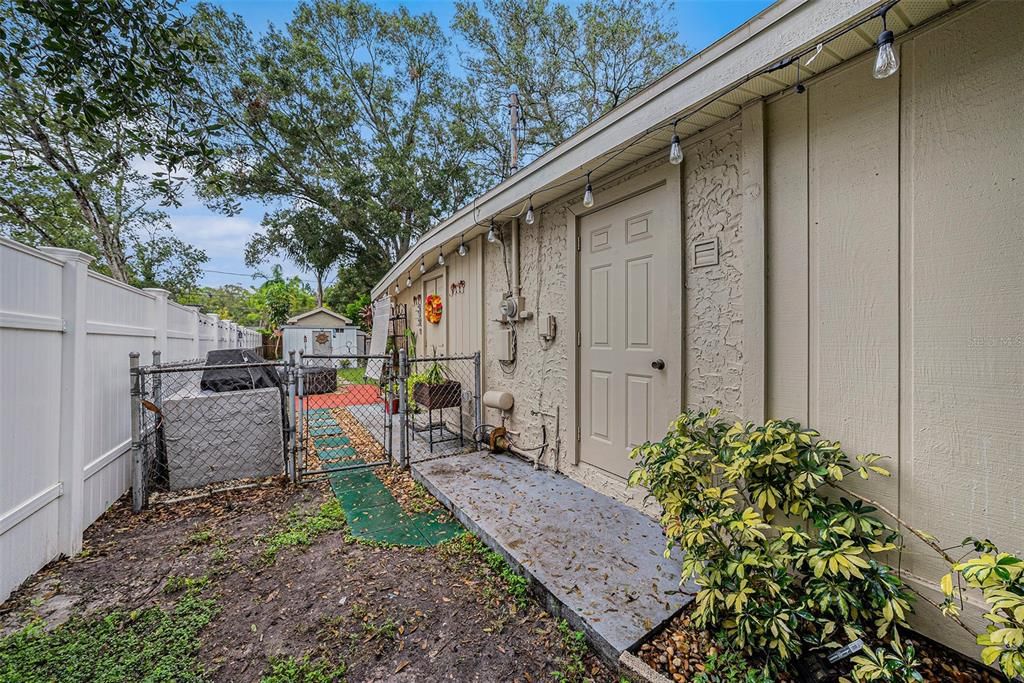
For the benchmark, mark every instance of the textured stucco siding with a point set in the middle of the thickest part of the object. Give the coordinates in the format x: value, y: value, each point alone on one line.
x: 712, y: 209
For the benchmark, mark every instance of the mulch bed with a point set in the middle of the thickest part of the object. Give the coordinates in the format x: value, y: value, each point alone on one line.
x: 389, y: 614
x: 678, y: 652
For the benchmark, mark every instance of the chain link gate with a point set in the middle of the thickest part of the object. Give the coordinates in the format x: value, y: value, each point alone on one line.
x: 201, y: 426
x: 344, y: 408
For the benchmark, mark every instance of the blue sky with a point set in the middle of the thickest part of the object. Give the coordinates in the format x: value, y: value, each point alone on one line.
x: 698, y: 22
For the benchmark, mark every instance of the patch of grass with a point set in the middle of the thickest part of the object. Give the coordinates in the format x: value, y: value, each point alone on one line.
x: 354, y: 375
x: 420, y: 500
x: 302, y: 528
x: 303, y: 670
x: 200, y: 538
x: 574, y: 647
x: 151, y: 645
x: 176, y: 583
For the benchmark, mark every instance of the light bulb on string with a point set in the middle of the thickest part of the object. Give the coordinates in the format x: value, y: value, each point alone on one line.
x: 397, y: 289
x: 408, y: 281
x: 423, y: 266
x: 440, y: 257
x: 588, y: 194
x: 492, y: 233
x: 887, y: 62
x: 463, y: 249
x: 529, y: 212
x: 675, y: 154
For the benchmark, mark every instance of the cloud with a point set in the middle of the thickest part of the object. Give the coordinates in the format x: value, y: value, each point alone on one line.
x: 223, y: 238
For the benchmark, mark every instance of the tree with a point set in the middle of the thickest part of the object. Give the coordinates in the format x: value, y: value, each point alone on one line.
x: 569, y: 66
x: 347, y: 110
x: 278, y: 299
x: 86, y: 90
x: 309, y: 237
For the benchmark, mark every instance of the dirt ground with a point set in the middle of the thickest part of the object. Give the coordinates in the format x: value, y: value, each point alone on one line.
x: 375, y: 613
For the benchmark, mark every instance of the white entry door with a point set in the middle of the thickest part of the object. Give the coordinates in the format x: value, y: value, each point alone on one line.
x: 630, y: 341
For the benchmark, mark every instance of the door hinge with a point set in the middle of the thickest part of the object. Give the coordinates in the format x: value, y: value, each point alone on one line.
x: 579, y: 243
x: 579, y: 338
x: 577, y: 433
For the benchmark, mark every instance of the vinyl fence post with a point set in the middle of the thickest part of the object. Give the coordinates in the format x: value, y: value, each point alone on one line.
x: 478, y: 408
x: 160, y: 299
x: 293, y: 447
x: 138, y: 474
x: 403, y: 409
x: 73, y: 454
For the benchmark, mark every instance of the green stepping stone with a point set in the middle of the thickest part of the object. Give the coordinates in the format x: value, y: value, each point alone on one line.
x: 370, y: 520
x: 365, y: 497
x: 398, y: 535
x: 331, y: 441
x: 345, y: 481
x: 336, y: 453
x: 329, y: 430
x: 437, y: 527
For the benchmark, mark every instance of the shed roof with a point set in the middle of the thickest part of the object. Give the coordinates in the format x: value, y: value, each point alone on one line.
x: 712, y: 86
x: 319, y: 310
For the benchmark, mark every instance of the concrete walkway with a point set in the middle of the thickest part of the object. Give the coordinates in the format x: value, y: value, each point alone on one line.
x: 598, y: 563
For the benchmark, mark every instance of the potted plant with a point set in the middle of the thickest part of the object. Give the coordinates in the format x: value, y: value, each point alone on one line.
x: 433, y: 389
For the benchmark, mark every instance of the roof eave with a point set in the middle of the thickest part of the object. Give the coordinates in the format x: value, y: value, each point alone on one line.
x: 779, y: 30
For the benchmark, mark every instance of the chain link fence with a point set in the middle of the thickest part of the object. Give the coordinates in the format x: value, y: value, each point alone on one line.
x: 234, y: 419
x: 444, y: 408
x: 204, y: 424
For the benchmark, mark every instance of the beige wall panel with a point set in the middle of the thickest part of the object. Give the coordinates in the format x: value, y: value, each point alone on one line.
x: 854, y: 265
x: 712, y: 208
x: 464, y: 304
x: 434, y: 340
x: 787, y: 274
x: 964, y: 280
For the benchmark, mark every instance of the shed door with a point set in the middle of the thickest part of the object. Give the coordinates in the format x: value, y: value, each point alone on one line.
x: 629, y: 264
x: 322, y: 342
x: 435, y: 335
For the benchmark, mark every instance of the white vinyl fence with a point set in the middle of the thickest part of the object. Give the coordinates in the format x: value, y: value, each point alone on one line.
x: 65, y: 432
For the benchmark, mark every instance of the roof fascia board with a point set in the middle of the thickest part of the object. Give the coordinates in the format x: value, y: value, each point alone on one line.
x: 781, y: 29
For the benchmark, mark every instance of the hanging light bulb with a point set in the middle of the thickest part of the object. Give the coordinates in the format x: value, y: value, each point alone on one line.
x: 799, y: 88
x: 423, y: 266
x: 463, y: 249
x: 675, y: 154
x: 529, y: 213
x: 588, y: 194
x: 397, y: 289
x: 887, y: 62
x: 492, y: 233
x: 440, y: 258
x: 408, y: 281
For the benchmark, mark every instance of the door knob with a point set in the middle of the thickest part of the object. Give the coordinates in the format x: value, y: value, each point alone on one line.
x: 658, y: 364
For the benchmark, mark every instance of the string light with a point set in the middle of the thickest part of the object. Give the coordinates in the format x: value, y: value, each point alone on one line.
x: 440, y: 256
x: 397, y: 289
x: 408, y: 281
x: 675, y: 154
x: 887, y: 62
x: 423, y: 266
x: 529, y: 212
x: 463, y: 249
x: 588, y: 194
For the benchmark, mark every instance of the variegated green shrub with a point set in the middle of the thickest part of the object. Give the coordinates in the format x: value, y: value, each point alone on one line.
x: 782, y: 563
x: 1000, y: 578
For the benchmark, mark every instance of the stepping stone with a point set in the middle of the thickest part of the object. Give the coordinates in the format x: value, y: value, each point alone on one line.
x: 336, y: 453
x: 330, y: 430
x: 399, y: 535
x: 331, y: 442
x: 370, y: 520
x: 365, y: 497
x: 438, y: 527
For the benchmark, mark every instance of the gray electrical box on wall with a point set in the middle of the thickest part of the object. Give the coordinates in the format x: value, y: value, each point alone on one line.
x: 507, y: 351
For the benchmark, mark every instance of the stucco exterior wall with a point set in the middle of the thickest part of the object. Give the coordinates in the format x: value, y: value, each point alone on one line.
x: 712, y: 209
